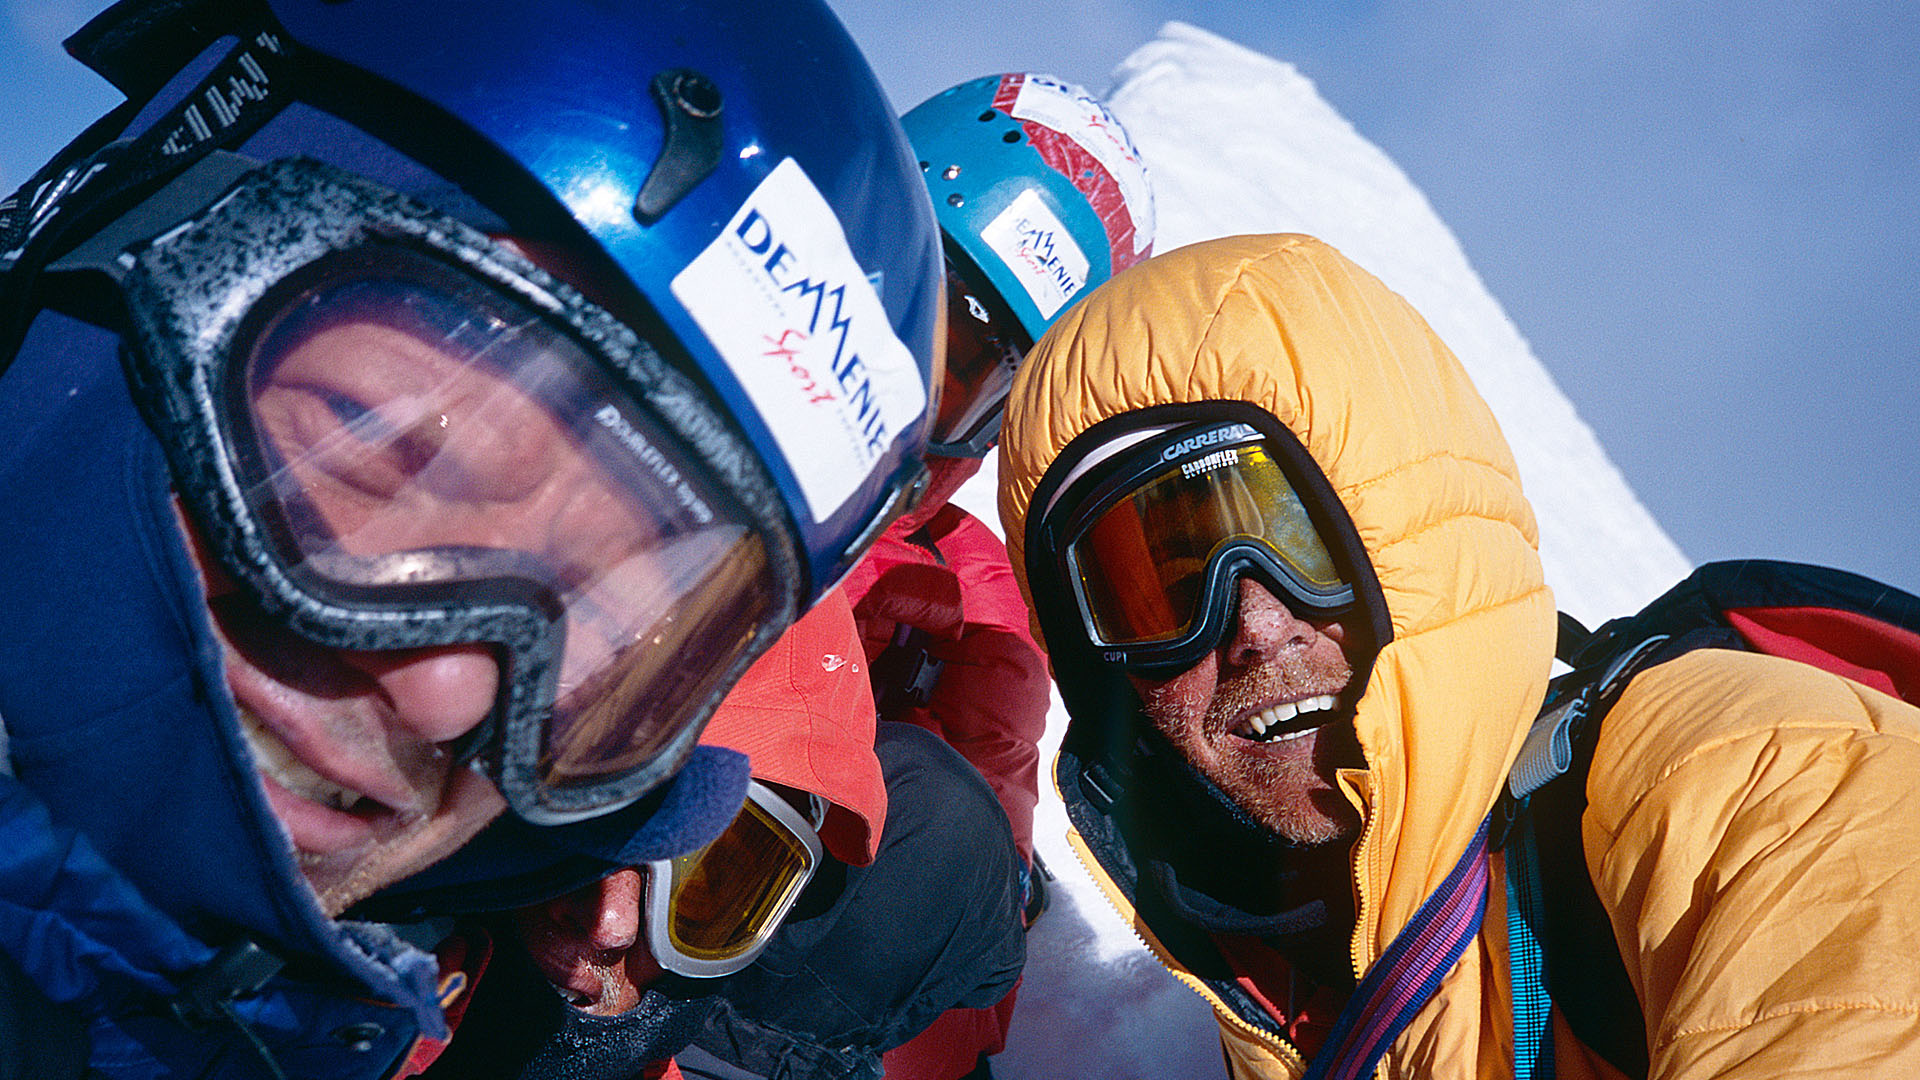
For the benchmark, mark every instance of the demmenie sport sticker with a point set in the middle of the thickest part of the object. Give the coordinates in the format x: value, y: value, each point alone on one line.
x: 1086, y: 120
x: 789, y: 309
x: 1039, y: 251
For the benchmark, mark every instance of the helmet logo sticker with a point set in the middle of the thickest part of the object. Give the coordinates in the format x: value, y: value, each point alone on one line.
x: 1039, y: 250
x: 797, y: 321
x: 1064, y: 117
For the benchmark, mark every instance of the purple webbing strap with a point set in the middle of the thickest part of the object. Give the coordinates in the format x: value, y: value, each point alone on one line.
x: 1405, y: 977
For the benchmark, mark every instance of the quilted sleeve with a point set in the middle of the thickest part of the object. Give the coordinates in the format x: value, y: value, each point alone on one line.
x: 1751, y: 828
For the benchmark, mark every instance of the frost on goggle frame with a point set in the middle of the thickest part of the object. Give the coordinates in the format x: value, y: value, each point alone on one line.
x: 414, y: 427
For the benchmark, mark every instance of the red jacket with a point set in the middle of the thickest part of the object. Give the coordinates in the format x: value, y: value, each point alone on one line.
x: 804, y: 713
x: 947, y: 574
x: 941, y: 570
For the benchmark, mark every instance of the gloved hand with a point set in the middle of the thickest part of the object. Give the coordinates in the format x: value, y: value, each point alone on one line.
x: 921, y: 595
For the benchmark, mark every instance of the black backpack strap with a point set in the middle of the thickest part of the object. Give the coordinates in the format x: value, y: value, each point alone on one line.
x: 1562, y: 928
x: 1560, y: 940
x: 1573, y: 636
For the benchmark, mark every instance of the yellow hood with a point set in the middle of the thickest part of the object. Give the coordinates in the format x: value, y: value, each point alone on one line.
x: 1287, y: 323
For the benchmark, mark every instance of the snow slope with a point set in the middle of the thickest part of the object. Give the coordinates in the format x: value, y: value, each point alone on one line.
x: 1238, y: 142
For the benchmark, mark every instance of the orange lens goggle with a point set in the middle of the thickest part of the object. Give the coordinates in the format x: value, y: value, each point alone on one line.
x: 710, y: 913
x: 1151, y: 557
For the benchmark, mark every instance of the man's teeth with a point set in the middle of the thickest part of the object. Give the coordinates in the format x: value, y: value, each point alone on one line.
x: 272, y: 757
x: 1265, y: 725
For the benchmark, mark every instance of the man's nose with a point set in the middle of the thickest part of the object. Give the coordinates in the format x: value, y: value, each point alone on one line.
x: 604, y: 915
x: 439, y: 693
x: 617, y: 923
x: 1264, y: 627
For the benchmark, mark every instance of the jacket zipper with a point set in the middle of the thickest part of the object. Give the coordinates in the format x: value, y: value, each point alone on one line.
x: 1360, y: 902
x: 1283, y: 1049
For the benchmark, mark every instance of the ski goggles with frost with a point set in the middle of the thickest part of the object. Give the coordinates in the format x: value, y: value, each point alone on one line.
x: 400, y: 434
x: 712, y: 912
x: 1150, y: 539
x: 985, y: 346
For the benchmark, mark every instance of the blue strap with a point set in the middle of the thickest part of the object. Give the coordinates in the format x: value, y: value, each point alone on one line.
x: 1532, y: 1007
x: 1404, y: 979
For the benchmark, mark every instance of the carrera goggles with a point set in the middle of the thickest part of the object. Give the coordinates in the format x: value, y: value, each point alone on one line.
x: 985, y: 346
x: 400, y: 434
x: 1150, y: 541
x: 710, y: 913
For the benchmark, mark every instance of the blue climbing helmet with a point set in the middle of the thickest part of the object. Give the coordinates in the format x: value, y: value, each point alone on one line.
x: 1041, y: 196
x: 743, y: 307
x: 701, y: 260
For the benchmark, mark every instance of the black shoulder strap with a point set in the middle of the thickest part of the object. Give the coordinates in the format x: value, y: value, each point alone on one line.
x: 1580, y: 962
x: 1842, y: 622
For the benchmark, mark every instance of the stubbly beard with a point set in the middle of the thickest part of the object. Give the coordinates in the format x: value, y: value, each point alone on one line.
x: 1297, y: 799
x: 1286, y: 786
x: 565, y: 961
x: 590, y: 944
x: 446, y: 806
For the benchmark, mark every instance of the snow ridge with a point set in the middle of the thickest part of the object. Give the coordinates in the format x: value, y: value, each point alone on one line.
x: 1238, y: 142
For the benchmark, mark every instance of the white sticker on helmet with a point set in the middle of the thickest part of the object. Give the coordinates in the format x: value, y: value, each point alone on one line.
x: 1080, y: 116
x: 794, y: 316
x: 1033, y: 243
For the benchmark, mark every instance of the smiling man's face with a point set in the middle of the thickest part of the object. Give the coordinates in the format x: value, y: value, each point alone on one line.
x: 351, y: 747
x: 1268, y: 717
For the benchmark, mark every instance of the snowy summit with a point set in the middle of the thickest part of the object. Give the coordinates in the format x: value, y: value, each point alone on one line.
x: 1238, y: 142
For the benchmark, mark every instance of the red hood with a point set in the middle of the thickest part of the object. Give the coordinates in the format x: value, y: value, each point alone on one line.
x: 804, y: 713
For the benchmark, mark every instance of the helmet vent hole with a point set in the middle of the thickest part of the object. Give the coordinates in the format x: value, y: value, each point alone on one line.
x: 1011, y: 136
x: 696, y: 94
x: 951, y: 172
x: 956, y: 199
x: 988, y: 115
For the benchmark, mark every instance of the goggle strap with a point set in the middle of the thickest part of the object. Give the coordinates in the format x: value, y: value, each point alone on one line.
x: 98, y: 178
x: 978, y: 445
x: 231, y: 102
x: 185, y: 195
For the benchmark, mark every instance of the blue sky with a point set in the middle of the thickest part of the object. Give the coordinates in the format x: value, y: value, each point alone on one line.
x: 1704, y: 216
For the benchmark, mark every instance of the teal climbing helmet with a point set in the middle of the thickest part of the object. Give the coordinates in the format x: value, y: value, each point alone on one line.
x: 1041, y: 196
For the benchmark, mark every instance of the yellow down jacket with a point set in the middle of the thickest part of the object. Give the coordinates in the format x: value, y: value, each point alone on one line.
x: 1751, y: 821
